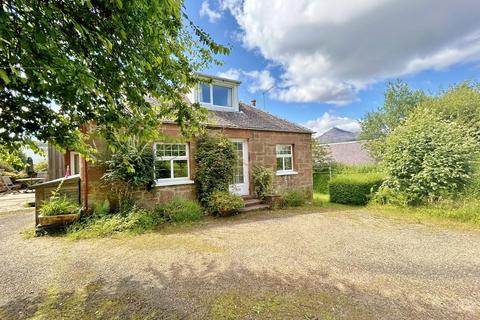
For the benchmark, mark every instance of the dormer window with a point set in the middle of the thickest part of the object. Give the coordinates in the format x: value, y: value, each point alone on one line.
x: 215, y: 95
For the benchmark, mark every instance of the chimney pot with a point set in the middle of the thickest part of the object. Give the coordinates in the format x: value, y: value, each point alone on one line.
x: 254, y: 103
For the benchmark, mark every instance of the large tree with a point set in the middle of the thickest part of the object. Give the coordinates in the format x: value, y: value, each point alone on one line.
x: 65, y: 63
x: 399, y: 101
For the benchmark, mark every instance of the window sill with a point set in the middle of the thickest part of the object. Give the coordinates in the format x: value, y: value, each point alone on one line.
x: 173, y: 182
x: 286, y: 173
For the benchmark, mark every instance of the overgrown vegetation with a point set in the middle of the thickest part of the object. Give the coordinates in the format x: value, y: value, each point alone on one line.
x: 321, y: 177
x: 354, y: 189
x: 216, y: 159
x: 58, y: 204
x: 294, y: 198
x: 263, y: 178
x: 224, y: 203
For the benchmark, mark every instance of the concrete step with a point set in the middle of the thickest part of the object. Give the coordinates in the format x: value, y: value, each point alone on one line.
x: 252, y: 202
x: 255, y: 208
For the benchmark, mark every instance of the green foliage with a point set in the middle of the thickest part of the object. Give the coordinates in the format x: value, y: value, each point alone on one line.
x: 294, y: 198
x: 135, y: 221
x: 224, y: 204
x: 429, y: 158
x: 102, y: 208
x: 41, y: 166
x: 322, y: 178
x: 354, y: 188
x: 388, y: 196
x: 58, y: 205
x: 263, y: 181
x: 95, y: 62
x: 129, y: 166
x: 216, y: 159
x: 399, y: 101
x: 180, y: 210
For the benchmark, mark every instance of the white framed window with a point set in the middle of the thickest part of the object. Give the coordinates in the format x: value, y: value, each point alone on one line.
x: 215, y: 95
x: 74, y: 163
x: 284, y: 158
x: 171, y: 162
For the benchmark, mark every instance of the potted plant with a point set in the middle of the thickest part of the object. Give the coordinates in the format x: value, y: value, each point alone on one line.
x: 263, y: 180
x: 58, y: 210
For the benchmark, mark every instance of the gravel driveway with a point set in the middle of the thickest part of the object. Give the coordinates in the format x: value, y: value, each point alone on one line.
x: 324, y: 265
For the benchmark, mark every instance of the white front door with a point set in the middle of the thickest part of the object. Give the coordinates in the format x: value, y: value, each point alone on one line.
x: 240, y: 180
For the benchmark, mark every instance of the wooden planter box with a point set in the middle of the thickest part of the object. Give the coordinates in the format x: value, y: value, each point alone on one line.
x: 275, y: 201
x: 58, y: 220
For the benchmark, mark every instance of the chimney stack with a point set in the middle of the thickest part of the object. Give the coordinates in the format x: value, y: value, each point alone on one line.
x: 254, y: 103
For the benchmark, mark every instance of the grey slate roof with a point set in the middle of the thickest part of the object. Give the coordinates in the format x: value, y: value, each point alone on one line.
x: 352, y: 152
x: 253, y: 118
x: 336, y: 135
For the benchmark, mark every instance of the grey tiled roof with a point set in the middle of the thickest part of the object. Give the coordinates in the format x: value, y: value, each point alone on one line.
x: 349, y: 152
x: 253, y: 118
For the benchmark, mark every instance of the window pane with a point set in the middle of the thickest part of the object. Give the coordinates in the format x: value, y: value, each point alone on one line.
x: 160, y: 150
x: 239, y: 178
x: 284, y: 149
x: 222, y: 96
x: 205, y: 93
x: 162, y: 169
x: 180, y: 169
x: 182, y: 150
x: 76, y: 163
x: 288, y: 163
x: 279, y: 164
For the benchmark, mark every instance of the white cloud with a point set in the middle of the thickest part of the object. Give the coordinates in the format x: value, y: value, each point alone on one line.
x: 328, y: 121
x: 257, y: 80
x: 205, y: 10
x: 329, y: 50
x: 231, y: 73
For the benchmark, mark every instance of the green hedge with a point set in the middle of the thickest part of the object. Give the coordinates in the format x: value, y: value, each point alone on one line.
x: 320, y: 182
x: 354, y: 188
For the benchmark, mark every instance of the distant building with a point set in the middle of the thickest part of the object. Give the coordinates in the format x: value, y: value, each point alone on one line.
x: 344, y: 147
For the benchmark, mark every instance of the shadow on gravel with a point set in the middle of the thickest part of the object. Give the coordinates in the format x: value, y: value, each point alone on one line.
x: 237, y: 293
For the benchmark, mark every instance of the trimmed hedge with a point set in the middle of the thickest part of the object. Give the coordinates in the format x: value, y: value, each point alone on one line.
x: 354, y: 188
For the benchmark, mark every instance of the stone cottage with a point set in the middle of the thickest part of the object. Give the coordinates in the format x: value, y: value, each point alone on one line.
x: 259, y: 137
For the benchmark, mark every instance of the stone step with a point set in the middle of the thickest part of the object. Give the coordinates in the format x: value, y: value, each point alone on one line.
x: 252, y: 202
x: 255, y: 208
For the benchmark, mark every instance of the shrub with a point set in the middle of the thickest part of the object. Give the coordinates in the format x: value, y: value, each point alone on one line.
x: 388, y: 196
x: 320, y: 182
x: 354, y: 188
x: 263, y: 181
x: 216, y: 159
x: 224, y: 204
x: 180, y: 210
x: 294, y: 198
x: 429, y: 158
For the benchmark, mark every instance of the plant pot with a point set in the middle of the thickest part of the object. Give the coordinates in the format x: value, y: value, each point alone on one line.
x: 58, y: 220
x: 275, y: 201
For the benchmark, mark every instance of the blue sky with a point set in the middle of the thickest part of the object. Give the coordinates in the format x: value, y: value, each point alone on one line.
x: 329, y: 61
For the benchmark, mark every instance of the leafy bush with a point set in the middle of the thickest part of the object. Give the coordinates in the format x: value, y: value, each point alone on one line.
x: 294, y: 198
x: 224, y: 204
x: 129, y: 166
x: 216, y: 159
x: 57, y: 205
x: 320, y: 182
x: 263, y: 181
x: 180, y: 210
x: 429, y: 158
x: 354, y: 188
x: 388, y: 196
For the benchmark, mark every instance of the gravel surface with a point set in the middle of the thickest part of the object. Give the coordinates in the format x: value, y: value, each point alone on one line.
x: 328, y: 264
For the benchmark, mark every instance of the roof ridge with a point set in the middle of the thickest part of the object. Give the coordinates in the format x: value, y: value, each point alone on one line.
x: 243, y: 104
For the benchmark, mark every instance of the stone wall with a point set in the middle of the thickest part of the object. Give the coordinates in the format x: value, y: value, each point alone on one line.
x: 262, y: 151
